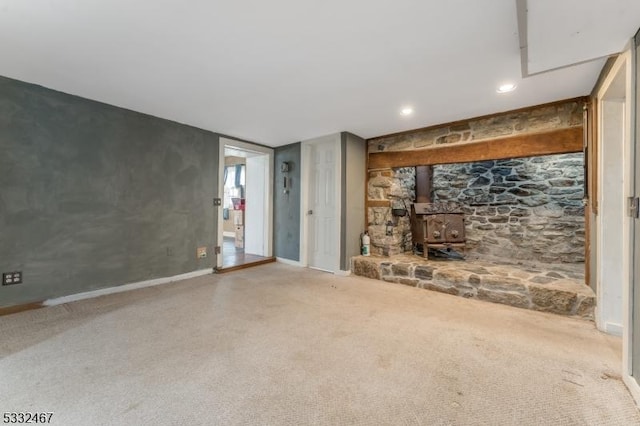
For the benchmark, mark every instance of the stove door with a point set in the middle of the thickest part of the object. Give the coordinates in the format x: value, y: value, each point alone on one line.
x: 435, y: 228
x: 455, y: 228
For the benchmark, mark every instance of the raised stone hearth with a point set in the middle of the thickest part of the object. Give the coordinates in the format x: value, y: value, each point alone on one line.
x: 559, y: 289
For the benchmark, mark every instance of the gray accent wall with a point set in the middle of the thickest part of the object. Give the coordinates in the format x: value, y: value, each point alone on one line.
x: 94, y: 196
x: 354, y: 169
x: 286, y: 207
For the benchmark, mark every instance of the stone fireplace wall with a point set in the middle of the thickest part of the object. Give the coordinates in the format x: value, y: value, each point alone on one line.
x: 398, y: 186
x: 546, y: 191
x: 520, y: 209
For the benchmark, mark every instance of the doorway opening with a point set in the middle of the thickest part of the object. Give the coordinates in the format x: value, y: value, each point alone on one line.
x: 245, y: 229
x: 613, y: 223
x: 617, y: 313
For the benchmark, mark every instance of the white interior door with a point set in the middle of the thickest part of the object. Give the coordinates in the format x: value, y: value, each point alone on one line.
x: 323, y: 219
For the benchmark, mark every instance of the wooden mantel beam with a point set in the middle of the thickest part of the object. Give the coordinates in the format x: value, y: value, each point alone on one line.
x: 559, y: 141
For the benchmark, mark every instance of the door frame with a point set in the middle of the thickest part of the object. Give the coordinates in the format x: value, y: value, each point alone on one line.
x: 227, y: 142
x: 305, y: 184
x: 256, y: 221
x: 613, y: 161
x: 633, y: 81
x: 624, y: 63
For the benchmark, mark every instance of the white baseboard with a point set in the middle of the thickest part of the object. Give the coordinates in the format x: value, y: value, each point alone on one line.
x: 288, y: 261
x: 125, y: 287
x: 634, y: 388
x: 231, y: 234
x: 613, y: 328
x: 343, y: 273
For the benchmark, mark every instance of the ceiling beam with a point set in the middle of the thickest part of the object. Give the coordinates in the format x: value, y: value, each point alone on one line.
x: 559, y: 141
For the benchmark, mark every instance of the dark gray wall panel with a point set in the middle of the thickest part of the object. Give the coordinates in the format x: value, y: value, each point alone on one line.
x: 343, y: 201
x: 93, y: 196
x: 286, y: 207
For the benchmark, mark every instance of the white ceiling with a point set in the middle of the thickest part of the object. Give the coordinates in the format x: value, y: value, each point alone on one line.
x: 572, y: 31
x: 280, y: 71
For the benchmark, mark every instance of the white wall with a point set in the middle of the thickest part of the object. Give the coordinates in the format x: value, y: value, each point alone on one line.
x: 611, y: 218
x: 355, y: 170
x: 256, y: 205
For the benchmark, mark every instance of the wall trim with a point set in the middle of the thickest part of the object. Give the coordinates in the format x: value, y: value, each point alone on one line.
x: 628, y: 351
x: 288, y: 261
x: 14, y: 309
x: 220, y: 209
x: 623, y: 63
x: 125, y: 287
x: 633, y: 387
x: 613, y: 329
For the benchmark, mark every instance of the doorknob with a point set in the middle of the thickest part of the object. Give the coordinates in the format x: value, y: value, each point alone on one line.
x: 310, y: 212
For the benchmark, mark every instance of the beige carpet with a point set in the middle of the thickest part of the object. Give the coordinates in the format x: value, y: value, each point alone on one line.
x: 286, y: 346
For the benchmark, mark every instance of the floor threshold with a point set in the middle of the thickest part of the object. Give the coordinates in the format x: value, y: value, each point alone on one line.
x: 246, y: 265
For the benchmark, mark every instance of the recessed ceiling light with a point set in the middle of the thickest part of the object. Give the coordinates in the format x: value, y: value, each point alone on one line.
x: 505, y: 88
x: 406, y: 111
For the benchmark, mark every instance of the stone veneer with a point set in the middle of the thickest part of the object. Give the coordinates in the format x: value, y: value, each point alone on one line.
x: 540, y: 119
x: 526, y: 208
x: 398, y: 186
x: 523, y: 208
x: 558, y: 289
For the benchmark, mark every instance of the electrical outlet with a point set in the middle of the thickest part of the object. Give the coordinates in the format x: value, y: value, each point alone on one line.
x: 11, y: 278
x: 201, y: 252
